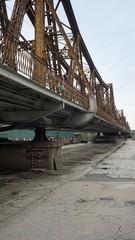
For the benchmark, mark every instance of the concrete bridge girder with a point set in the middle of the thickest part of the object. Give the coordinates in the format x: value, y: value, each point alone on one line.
x: 28, y: 115
x: 92, y: 104
x: 78, y: 119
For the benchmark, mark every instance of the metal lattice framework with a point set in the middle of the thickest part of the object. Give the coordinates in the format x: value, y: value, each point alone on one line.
x: 56, y: 56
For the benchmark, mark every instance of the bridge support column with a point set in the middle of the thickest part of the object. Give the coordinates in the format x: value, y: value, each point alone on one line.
x: 37, y: 154
x: 113, y: 139
x: 40, y: 135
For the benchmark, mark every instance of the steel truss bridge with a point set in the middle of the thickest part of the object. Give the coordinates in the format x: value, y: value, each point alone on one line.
x: 50, y: 79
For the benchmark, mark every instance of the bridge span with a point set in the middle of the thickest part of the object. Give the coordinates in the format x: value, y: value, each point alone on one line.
x: 49, y: 80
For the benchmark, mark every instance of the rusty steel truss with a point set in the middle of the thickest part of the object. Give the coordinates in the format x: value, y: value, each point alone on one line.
x: 56, y: 55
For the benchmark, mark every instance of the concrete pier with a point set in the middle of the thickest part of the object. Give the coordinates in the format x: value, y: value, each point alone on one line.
x: 21, y: 155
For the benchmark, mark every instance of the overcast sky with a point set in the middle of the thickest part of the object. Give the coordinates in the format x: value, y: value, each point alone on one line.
x: 108, y: 29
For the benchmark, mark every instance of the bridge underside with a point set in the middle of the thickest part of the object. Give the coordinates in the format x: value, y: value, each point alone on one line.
x: 24, y: 104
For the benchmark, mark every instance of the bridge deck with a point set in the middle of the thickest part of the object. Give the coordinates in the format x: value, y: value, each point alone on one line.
x: 25, y: 104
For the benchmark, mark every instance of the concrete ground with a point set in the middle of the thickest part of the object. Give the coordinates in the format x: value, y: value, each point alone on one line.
x: 92, y: 198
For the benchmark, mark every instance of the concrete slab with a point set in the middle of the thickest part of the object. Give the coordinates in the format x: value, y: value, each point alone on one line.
x: 78, y: 202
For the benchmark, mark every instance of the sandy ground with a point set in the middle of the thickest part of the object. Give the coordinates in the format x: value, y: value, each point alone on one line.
x: 92, y: 198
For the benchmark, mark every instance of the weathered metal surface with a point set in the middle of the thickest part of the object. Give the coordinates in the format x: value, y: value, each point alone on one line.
x: 57, y: 59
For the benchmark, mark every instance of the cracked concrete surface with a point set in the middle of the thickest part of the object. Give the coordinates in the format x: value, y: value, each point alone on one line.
x: 92, y: 198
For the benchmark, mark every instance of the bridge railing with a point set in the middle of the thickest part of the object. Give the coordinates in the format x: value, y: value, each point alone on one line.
x: 25, y: 62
